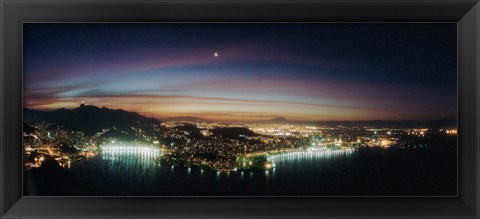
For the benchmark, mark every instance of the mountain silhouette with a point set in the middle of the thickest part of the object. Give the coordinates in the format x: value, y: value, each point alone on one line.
x: 187, y: 119
x: 233, y: 132
x: 277, y: 120
x: 89, y: 119
x: 394, y: 124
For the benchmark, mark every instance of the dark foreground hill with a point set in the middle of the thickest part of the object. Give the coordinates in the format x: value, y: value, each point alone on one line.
x: 233, y: 132
x: 88, y: 119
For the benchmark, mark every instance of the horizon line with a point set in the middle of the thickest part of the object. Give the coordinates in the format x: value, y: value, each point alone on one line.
x: 172, y: 118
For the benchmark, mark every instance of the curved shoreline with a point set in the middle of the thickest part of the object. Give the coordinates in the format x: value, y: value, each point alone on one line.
x: 270, y: 159
x: 308, y: 152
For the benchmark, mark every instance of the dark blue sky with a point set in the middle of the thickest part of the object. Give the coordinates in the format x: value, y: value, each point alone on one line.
x: 328, y: 71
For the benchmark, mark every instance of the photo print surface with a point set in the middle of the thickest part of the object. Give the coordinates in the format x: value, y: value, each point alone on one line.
x: 240, y: 109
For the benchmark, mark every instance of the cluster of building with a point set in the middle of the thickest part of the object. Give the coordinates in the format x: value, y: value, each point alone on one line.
x: 46, y: 142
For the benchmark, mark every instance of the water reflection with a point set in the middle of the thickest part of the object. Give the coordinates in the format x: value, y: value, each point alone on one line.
x: 125, y: 171
x: 309, y: 154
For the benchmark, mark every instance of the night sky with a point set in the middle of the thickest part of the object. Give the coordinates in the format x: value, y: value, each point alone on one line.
x: 246, y: 72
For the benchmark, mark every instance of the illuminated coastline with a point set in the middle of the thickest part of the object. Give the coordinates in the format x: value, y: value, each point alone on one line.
x: 309, y: 153
x: 130, y: 149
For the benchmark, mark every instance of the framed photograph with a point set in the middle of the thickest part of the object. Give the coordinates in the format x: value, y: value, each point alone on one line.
x: 240, y: 109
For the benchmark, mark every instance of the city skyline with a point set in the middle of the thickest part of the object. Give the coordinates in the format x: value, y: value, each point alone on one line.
x: 245, y: 72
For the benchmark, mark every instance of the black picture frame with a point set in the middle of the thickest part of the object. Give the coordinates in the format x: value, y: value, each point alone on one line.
x: 14, y: 12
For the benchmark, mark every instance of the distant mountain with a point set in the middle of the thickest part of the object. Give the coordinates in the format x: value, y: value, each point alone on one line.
x: 369, y: 123
x: 277, y: 120
x: 88, y: 119
x: 393, y: 124
x: 187, y: 119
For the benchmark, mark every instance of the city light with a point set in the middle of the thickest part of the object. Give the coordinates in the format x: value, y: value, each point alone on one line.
x: 309, y: 153
x: 130, y: 149
x: 451, y: 132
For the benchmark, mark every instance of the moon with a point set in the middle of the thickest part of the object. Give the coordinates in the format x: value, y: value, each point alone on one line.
x: 215, y: 54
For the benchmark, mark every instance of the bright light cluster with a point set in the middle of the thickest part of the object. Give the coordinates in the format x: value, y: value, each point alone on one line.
x: 309, y: 153
x: 453, y: 131
x: 130, y: 149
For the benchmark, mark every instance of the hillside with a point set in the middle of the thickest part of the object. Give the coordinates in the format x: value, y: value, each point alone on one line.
x: 88, y: 119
